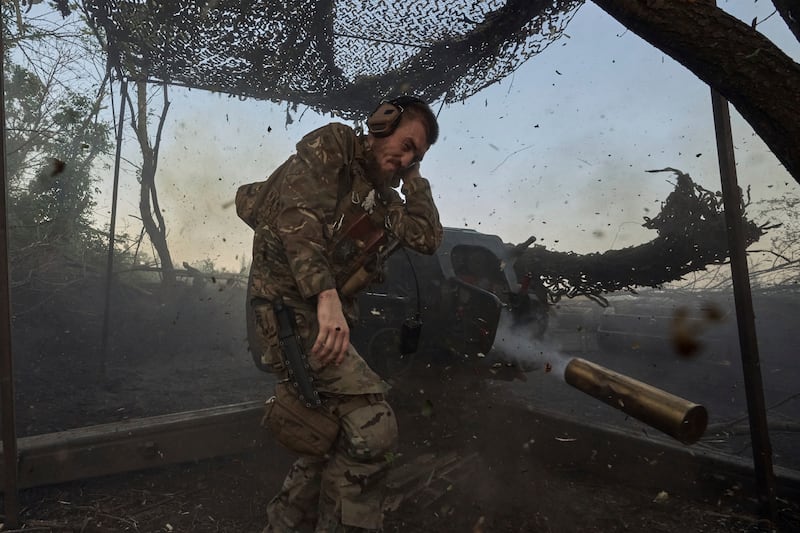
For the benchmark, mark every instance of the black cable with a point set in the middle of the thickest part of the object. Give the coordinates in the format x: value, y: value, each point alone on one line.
x: 411, y: 327
x: 416, y: 283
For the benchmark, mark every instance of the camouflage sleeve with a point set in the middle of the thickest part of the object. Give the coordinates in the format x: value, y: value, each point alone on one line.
x: 416, y: 223
x: 308, y: 197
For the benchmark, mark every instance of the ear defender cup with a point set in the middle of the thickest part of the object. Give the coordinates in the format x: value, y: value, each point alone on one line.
x: 383, y: 121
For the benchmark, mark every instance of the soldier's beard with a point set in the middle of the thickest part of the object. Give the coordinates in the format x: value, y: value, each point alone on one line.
x: 379, y: 177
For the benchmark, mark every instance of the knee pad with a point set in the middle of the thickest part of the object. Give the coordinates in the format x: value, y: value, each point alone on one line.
x: 369, y: 432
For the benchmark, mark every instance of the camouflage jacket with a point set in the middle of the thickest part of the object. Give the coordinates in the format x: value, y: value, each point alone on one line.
x: 298, y: 215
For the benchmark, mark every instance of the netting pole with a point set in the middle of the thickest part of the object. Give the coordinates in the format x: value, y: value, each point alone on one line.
x: 745, y: 317
x: 123, y: 92
x: 10, y: 463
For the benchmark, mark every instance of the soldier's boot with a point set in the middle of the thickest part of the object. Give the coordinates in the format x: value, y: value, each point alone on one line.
x: 294, y: 508
x: 334, y: 526
x: 269, y: 529
x: 305, y: 525
x: 330, y: 520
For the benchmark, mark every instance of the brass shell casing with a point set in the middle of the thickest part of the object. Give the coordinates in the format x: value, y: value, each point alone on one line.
x: 675, y: 416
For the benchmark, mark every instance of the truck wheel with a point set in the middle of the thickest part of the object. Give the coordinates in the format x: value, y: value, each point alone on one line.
x: 383, y: 354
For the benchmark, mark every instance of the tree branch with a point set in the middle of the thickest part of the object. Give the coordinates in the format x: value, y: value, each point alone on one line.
x: 745, y: 67
x: 790, y: 12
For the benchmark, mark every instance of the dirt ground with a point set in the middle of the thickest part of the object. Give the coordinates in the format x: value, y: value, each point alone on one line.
x: 492, y: 466
x: 493, y: 476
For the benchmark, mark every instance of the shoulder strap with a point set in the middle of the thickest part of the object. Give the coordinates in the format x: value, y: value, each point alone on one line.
x: 346, y: 177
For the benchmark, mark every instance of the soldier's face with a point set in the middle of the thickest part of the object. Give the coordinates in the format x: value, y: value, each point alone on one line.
x: 404, y: 147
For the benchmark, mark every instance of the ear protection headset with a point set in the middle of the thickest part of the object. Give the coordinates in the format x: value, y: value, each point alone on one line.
x: 383, y: 121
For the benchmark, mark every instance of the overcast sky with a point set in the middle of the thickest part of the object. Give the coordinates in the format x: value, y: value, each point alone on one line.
x: 558, y: 150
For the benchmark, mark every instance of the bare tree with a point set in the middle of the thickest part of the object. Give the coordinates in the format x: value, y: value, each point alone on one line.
x: 149, y: 208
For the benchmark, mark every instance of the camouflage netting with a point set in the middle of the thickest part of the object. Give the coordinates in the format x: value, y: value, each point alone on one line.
x: 337, y: 57
x: 692, y: 234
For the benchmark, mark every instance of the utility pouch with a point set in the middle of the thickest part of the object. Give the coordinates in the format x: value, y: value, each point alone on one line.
x: 300, y: 429
x: 410, y: 330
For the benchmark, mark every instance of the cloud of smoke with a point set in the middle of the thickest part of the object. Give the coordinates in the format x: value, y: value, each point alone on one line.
x: 516, y: 342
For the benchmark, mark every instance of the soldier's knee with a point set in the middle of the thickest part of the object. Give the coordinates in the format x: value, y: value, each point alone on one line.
x: 369, y: 432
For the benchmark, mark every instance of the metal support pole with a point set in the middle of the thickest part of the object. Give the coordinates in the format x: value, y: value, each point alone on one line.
x: 112, y: 227
x: 10, y: 460
x: 745, y: 318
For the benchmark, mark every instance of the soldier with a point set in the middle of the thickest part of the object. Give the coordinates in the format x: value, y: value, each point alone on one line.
x: 324, y: 221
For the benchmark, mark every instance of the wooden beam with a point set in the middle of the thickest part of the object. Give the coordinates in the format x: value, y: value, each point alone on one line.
x: 138, y: 444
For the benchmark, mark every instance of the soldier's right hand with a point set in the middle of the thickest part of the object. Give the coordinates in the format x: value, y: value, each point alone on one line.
x: 411, y: 172
x: 334, y: 333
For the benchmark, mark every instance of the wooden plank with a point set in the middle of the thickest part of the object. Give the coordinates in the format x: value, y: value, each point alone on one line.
x: 138, y: 444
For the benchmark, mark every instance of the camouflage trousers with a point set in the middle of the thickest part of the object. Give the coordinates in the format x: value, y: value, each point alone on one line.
x: 343, y: 491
